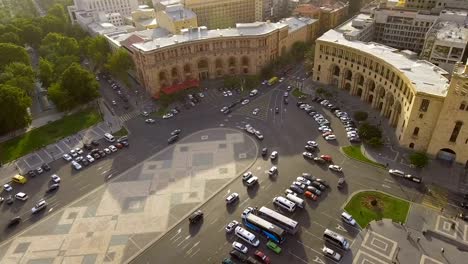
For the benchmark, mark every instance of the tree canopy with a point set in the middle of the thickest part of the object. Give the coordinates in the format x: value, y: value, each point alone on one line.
x: 119, y: 63
x: 419, y: 159
x: 46, y: 72
x: 10, y: 53
x: 97, y: 49
x: 19, y: 75
x: 10, y: 37
x: 76, y: 86
x: 14, y: 102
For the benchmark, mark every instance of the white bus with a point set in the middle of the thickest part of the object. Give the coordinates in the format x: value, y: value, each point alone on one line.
x: 280, y: 220
x: 247, y: 236
x: 336, y: 239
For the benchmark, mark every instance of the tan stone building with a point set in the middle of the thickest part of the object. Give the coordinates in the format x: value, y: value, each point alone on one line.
x: 225, y: 13
x: 329, y: 15
x: 428, y: 113
x: 179, y: 61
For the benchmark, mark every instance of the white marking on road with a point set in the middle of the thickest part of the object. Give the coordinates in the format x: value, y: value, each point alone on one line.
x: 259, y: 167
x: 228, y: 191
x: 318, y: 260
x: 177, y: 233
x: 387, y: 180
x: 319, y: 224
x: 386, y: 186
x: 84, y: 187
x: 187, y: 237
x: 339, y: 227
x: 214, y: 221
x: 177, y: 239
x: 305, y: 261
x: 309, y: 247
x: 311, y: 235
x: 244, y: 201
x: 194, y: 253
x: 267, y: 187
x: 194, y: 245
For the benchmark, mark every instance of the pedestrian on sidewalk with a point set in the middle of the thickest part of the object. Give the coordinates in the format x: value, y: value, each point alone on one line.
x: 442, y: 250
x: 417, y: 239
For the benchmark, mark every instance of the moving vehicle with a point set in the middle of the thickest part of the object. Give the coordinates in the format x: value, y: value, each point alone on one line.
x: 255, y: 111
x: 273, y: 171
x: 251, y: 181
x: 21, y: 196
x: 55, y: 178
x: 150, y: 121
x: 253, y: 92
x: 336, y: 239
x: 264, y: 227
x: 274, y: 155
x: 52, y: 187
x: 334, y: 167
x: 14, y: 221
x: 289, y: 225
x: 264, y: 152
x: 246, y: 236
x: 173, y: 139
x: 232, y: 198
x: 19, y: 179
x: 76, y: 165
x: 341, y: 183
x: 196, y: 216
x: 40, y: 205
x: 7, y: 187
x: 272, y: 81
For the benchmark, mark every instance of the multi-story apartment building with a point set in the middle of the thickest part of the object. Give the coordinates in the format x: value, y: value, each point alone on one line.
x: 402, y: 28
x: 225, y: 13
x: 174, y: 62
x: 329, y: 15
x: 427, y: 111
x: 436, y: 5
x: 87, y: 8
x: 360, y: 27
x: 176, y: 17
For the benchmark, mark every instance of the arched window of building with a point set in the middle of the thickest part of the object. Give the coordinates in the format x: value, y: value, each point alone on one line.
x: 416, y: 131
x: 462, y: 105
x: 456, y: 131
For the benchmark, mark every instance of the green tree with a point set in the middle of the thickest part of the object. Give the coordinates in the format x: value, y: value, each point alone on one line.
x: 63, y: 62
x: 375, y: 142
x: 232, y: 82
x: 51, y: 24
x: 58, y: 11
x: 31, y: 34
x: 298, y: 50
x: 97, y: 49
x: 46, y: 72
x: 12, y: 53
x: 367, y: 131
x: 58, y: 45
x: 419, y: 159
x: 76, y: 86
x: 10, y: 37
x: 19, y: 75
x: 360, y: 115
x: 309, y: 58
x: 14, y: 104
x: 119, y: 63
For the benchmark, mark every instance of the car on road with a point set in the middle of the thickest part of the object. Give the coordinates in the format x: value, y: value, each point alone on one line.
x: 231, y: 226
x: 144, y: 113
x: 175, y: 132
x: 274, y: 155
x: 341, y: 183
x: 285, y: 100
x: 319, y: 160
x: 285, y: 94
x: 114, y: 102
x: 150, y: 121
x: 336, y: 168
x: 309, y: 148
x: 39, y: 170
x: 246, y: 101
x: 55, y: 178
x: 14, y: 221
x: 52, y: 187
x: 296, y: 189
x: 312, y: 143
x: 40, y: 205
x: 464, y: 205
x: 398, y: 173
x: 463, y: 216
x: 7, y: 187
x: 67, y: 157
x: 224, y: 109
x: 347, y: 218
x: 327, y: 158
x: 330, y: 137
x: 259, y: 135
x: 276, y: 110
x: 196, y: 216
x: 19, y: 179
x: 255, y: 111
x: 238, y: 255
x: 45, y: 167
x: 167, y: 116
x: 76, y: 165
x: 251, y: 181
x: 21, y: 196
x: 264, y: 152
x: 307, y: 155
x: 239, y: 247
x: 273, y: 171
x: 261, y: 256
x: 246, y: 175
x: 232, y: 198
x: 273, y: 246
x: 173, y: 139
x: 318, y: 185
x: 409, y: 177
x: 330, y: 253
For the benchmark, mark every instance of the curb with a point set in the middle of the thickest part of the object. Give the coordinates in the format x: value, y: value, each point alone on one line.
x: 364, y: 162
x: 184, y: 218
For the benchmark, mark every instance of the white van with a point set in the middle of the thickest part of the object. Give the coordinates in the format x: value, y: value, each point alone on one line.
x: 253, y: 92
x: 109, y: 137
x: 284, y: 203
x: 246, y: 236
x: 298, y: 201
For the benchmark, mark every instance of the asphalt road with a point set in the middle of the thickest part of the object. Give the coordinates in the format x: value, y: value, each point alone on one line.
x: 286, y: 132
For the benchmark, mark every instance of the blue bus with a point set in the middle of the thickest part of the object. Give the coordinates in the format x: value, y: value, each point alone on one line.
x: 268, y: 229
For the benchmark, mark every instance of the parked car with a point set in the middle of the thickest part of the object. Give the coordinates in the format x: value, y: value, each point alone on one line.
x: 52, y: 187
x: 231, y: 226
x: 264, y: 152
x: 318, y: 185
x: 45, y: 167
x: 274, y: 155
x: 232, y: 198
x: 67, y: 157
x: 341, y: 183
x: 273, y: 171
x: 314, y: 190
x: 310, y: 195
x: 330, y: 253
x: 326, y: 158
x: 296, y: 189
x: 307, y: 155
x: 347, y: 218
x: 261, y: 256
x: 247, y: 175
x: 239, y: 247
x: 55, y: 178
x: 273, y: 246
x: 7, y: 187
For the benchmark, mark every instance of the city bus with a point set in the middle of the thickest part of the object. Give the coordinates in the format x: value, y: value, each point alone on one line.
x: 272, y: 232
x: 282, y: 221
x: 272, y: 81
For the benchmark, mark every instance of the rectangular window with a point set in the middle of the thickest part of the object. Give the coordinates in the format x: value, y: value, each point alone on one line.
x: 424, y: 105
x: 416, y: 131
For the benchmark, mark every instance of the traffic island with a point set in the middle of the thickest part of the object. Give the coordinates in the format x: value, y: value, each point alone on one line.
x: 354, y: 152
x: 367, y: 206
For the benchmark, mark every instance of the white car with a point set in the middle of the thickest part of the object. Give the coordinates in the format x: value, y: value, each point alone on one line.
x: 112, y: 148
x: 73, y: 153
x: 289, y: 191
x: 90, y: 158
x: 251, y: 181
x: 334, y: 167
x: 350, y: 129
x: 247, y: 175
x: 107, y: 151
x: 55, y: 178
x: 299, y: 184
x: 229, y: 92
x: 78, y: 151
x: 303, y: 180
x: 239, y: 247
x: 348, y: 218
x: 232, y: 198
x: 231, y: 226
x: 272, y: 171
x: 67, y: 157
x: 145, y: 113
x: 307, y: 155
x: 21, y: 196
x: 225, y: 94
x: 247, y: 211
x: 168, y: 115
x: 328, y: 252
x: 312, y: 143
x: 39, y: 206
x: 246, y: 101
x: 274, y: 155
x: 76, y: 165
x: 150, y: 121
x: 201, y: 95
x: 255, y: 111
x: 39, y: 170
x: 224, y: 109
x: 330, y: 137
x: 7, y: 187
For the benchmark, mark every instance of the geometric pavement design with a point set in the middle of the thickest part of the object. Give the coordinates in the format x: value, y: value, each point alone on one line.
x: 378, y: 249
x: 114, y: 222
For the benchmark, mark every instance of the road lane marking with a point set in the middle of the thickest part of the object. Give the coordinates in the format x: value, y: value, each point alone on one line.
x: 214, y: 221
x: 84, y: 187
x: 267, y: 187
x: 244, y: 201
x: 339, y: 227
x: 194, y: 245
x: 305, y: 261
x: 191, y: 256
x: 386, y: 186
x: 387, y: 180
x: 317, y: 223
x: 311, y: 235
x: 177, y: 233
x: 319, y: 260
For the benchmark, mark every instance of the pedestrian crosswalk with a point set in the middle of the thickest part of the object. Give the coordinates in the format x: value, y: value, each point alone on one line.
x: 435, y: 198
x: 127, y: 116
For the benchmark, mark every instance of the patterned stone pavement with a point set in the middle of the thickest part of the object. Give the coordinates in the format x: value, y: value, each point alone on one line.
x: 114, y: 222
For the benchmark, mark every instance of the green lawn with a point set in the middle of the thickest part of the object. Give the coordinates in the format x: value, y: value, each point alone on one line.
x: 354, y: 152
x: 161, y: 111
x: 389, y: 207
x: 48, y: 134
x: 296, y: 92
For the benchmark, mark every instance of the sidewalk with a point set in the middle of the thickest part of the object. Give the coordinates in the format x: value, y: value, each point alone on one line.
x: 391, y: 153
x: 55, y: 151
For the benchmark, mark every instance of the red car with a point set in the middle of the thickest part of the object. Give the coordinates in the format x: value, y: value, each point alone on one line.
x: 261, y: 256
x: 326, y: 157
x: 310, y: 195
x: 119, y: 145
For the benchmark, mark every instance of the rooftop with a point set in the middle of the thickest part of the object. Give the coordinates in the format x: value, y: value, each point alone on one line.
x: 354, y: 26
x: 451, y: 31
x: 178, y: 12
x: 425, y: 76
x: 241, y: 29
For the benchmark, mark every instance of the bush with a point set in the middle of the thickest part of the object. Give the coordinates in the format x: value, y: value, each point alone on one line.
x: 367, y: 131
x: 360, y: 116
x: 419, y: 159
x: 374, y: 142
